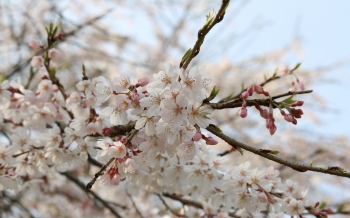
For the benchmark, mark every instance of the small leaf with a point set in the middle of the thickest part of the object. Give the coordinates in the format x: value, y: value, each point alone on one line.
x: 311, y: 163
x: 47, y: 31
x: 265, y: 78
x: 83, y: 67
x: 51, y: 27
x: 323, y: 205
x: 213, y: 93
x: 341, y: 208
x: 239, y: 149
x: 274, y: 152
x: 209, y: 18
x: 54, y: 31
x: 289, y: 100
x: 275, y: 73
x: 296, y: 67
x: 215, y: 127
x: 186, y: 55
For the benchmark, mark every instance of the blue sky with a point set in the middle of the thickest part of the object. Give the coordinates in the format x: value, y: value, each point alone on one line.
x: 325, y: 32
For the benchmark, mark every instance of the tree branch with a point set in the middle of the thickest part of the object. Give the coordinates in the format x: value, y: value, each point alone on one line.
x: 202, y: 33
x: 263, y: 102
x: 82, y: 186
x: 295, y: 166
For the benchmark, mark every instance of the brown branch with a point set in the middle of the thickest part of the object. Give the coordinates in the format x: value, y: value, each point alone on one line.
x: 169, y: 208
x: 202, y: 33
x: 295, y: 166
x: 82, y: 186
x: 184, y: 201
x: 292, y: 93
x: 122, y: 129
x: 133, y: 203
x: 99, y: 173
x: 263, y: 102
x: 191, y: 203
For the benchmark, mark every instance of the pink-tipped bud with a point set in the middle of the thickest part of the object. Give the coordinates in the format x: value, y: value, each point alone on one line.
x: 288, y: 118
x: 106, y: 131
x: 315, y: 212
x: 328, y: 210
x: 292, y: 88
x: 298, y: 103
x: 250, y: 90
x: 273, y: 129
x: 143, y: 81
x: 37, y: 61
x: 317, y: 203
x: 301, y: 85
x: 295, y: 122
x: 210, y: 141
x: 269, y: 121
x: 115, y: 179
x: 245, y: 95
x: 84, y: 105
x: 34, y: 44
x: 258, y: 89
x: 136, y: 96
x: 197, y: 136
x: 262, y: 197
x: 296, y: 112
x: 243, y: 112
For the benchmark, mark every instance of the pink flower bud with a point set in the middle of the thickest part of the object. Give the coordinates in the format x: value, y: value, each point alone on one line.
x: 210, y: 141
x: 264, y: 113
x: 262, y: 197
x: 297, y: 112
x: 269, y: 121
x: 273, y: 129
x: 106, y: 131
x: 115, y: 179
x: 143, y: 81
x: 250, y: 90
x: 243, y: 112
x: 288, y: 118
x: 245, y: 95
x: 54, y: 54
x: 298, y: 103
x: 294, y: 121
x: 37, y: 61
x: 328, y: 210
x: 301, y: 85
x: 258, y: 89
x: 292, y: 88
x: 136, y: 96
x: 197, y: 136
x: 34, y: 44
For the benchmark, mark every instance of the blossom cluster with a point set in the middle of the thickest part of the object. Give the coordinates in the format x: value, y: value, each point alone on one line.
x: 166, y: 152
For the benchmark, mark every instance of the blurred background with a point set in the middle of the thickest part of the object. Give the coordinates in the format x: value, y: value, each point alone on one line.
x: 254, y: 39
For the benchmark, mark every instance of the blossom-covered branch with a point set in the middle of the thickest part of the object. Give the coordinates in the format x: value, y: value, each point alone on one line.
x: 332, y: 170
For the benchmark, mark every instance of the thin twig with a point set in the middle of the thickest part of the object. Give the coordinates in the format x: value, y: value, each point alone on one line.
x: 134, y: 204
x: 202, y: 33
x: 99, y: 173
x: 263, y: 102
x: 298, y: 167
x: 169, y: 208
x: 82, y: 186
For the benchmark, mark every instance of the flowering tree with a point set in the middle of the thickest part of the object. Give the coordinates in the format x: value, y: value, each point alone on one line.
x: 152, y: 143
